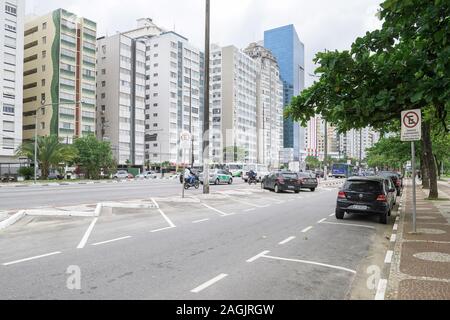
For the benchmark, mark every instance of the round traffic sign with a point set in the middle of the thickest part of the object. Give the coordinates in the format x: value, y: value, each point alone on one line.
x: 411, y: 120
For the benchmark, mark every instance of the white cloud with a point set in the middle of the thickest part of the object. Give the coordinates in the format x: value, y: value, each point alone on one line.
x: 321, y: 24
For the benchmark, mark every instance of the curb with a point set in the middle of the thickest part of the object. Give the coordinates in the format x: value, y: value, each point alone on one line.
x: 390, y: 259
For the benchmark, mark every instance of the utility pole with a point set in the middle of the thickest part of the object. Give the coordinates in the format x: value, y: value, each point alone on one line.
x: 190, y: 118
x: 206, y: 104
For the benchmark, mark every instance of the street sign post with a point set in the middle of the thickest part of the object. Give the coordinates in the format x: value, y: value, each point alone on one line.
x: 412, y: 132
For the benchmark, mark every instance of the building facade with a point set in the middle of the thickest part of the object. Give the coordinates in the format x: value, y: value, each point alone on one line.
x: 233, y: 106
x: 11, y: 77
x: 173, y: 99
x: 355, y: 143
x: 289, y: 51
x: 59, y: 69
x: 121, y: 84
x: 269, y: 97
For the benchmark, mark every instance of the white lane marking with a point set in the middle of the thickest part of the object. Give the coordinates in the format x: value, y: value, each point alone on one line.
x: 162, y: 229
x: 250, y: 204
x: 154, y: 202
x: 216, y: 210
x: 250, y: 210
x: 258, y: 256
x: 393, y: 238
x: 323, y: 220
x: 307, y: 229
x: 113, y: 240
x: 349, y: 224
x: 287, y: 240
x: 171, y: 224
x: 312, y: 263
x: 85, y: 238
x: 209, y: 283
x: 395, y: 227
x: 388, y: 258
x: 200, y: 221
x: 32, y: 258
x: 381, y: 292
x: 332, y: 215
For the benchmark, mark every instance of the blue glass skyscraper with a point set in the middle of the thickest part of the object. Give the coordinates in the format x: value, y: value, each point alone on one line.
x: 290, y: 53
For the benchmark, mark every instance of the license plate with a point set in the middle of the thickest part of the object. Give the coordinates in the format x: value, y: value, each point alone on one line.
x: 359, y: 207
x: 291, y: 187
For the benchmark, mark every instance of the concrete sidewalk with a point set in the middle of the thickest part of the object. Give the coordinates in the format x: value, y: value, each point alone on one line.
x: 420, y: 268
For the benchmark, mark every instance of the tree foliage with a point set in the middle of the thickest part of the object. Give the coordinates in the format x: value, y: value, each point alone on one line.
x: 51, y: 153
x: 404, y: 65
x: 93, y: 155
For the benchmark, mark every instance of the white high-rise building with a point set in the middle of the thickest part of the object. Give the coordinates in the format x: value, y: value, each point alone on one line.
x: 233, y: 106
x: 269, y: 105
x: 121, y: 84
x: 11, y: 77
x: 174, y: 97
x: 355, y: 143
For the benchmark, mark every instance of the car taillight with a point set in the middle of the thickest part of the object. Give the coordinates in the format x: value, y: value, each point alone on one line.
x: 342, y: 195
x: 382, y: 198
x: 398, y: 183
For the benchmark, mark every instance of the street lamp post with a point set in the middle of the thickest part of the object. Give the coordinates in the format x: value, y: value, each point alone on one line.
x: 206, y: 103
x: 325, y: 171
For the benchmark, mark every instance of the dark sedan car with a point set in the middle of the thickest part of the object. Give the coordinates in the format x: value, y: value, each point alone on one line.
x: 282, y: 181
x: 396, y: 179
x: 308, y: 181
x: 366, y: 195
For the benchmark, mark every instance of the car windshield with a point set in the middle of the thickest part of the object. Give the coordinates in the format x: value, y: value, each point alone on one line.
x: 289, y: 175
x: 362, y: 186
x: 305, y: 175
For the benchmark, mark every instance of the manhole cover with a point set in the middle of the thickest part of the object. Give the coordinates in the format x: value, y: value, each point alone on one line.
x: 433, y: 256
x: 431, y: 231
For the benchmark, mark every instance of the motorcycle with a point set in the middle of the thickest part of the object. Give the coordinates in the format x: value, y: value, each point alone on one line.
x: 252, y: 180
x: 195, y: 184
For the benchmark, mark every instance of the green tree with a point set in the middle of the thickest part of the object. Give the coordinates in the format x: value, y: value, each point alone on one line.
x: 93, y: 155
x: 402, y: 66
x: 312, y: 162
x: 51, y: 153
x: 390, y: 153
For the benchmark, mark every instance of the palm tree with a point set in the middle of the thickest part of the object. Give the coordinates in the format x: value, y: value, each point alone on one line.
x: 50, y: 153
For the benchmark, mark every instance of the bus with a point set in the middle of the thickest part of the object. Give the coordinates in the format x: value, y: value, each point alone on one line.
x: 342, y: 170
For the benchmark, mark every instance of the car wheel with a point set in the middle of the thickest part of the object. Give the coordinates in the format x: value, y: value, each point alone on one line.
x: 313, y: 189
x: 340, y: 214
x: 384, y: 218
x: 297, y: 191
x: 230, y: 182
x: 277, y: 189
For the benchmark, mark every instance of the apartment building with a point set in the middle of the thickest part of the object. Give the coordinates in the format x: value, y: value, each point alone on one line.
x: 269, y: 88
x: 60, y: 72
x: 355, y: 143
x: 173, y: 99
x: 121, y: 84
x: 233, y: 106
x: 11, y: 77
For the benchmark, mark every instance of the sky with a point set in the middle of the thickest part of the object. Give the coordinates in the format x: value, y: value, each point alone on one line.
x: 321, y: 24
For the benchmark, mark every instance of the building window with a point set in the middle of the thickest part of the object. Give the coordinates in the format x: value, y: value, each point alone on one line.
x: 11, y: 10
x: 44, y: 26
x: 43, y: 82
x: 44, y: 54
x: 44, y: 40
x: 8, y: 143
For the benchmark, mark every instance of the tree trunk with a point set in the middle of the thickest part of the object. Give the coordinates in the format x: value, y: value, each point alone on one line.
x: 429, y: 159
x: 438, y: 166
x: 424, y: 170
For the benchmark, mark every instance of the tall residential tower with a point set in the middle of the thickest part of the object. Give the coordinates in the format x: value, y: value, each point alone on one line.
x: 11, y: 77
x: 60, y: 69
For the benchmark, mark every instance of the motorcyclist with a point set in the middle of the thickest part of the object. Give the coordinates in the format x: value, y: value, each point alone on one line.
x: 189, y: 176
x: 252, y: 175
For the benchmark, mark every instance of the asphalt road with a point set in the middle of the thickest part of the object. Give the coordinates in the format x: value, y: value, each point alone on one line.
x: 246, y: 244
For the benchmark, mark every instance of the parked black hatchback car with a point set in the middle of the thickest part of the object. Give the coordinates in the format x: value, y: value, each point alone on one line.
x: 366, y: 195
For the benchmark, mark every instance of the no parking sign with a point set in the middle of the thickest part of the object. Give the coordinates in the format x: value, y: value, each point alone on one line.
x: 412, y: 125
